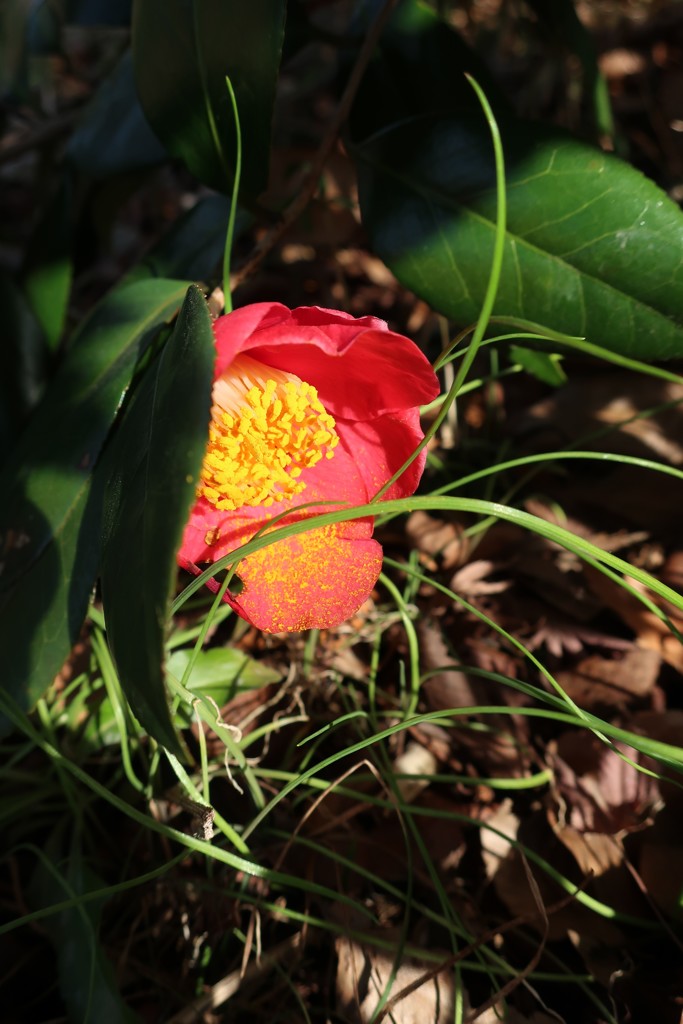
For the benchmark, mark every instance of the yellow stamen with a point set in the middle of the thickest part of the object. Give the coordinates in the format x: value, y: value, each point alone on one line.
x: 267, y: 426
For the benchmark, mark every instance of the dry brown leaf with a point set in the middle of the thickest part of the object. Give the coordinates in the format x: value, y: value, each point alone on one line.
x: 614, y: 682
x: 436, y: 538
x: 363, y: 974
x: 500, y: 751
x: 594, y: 852
x: 560, y: 636
x: 661, y: 861
x: 415, y: 760
x: 620, y: 63
x: 614, y: 540
x: 470, y: 581
x: 672, y: 570
x: 585, y: 404
x: 447, y: 686
x: 505, y: 869
x: 666, y: 727
x: 650, y: 631
x: 383, y: 851
x: 437, y: 740
x: 596, y: 789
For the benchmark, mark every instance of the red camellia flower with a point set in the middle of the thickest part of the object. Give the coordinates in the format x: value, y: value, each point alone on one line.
x: 309, y: 405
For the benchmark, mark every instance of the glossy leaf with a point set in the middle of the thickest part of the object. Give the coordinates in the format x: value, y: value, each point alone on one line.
x: 50, y: 521
x: 155, y: 463
x: 592, y: 247
x: 183, y: 50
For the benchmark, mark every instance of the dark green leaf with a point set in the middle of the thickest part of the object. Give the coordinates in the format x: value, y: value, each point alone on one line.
x: 193, y: 247
x: 48, y: 268
x: 50, y: 522
x: 113, y: 135
x: 86, y: 978
x: 183, y: 50
x: 568, y: 33
x: 418, y: 68
x: 13, y: 56
x: 592, y: 247
x: 43, y: 29
x: 98, y: 12
x: 155, y: 462
x: 24, y: 361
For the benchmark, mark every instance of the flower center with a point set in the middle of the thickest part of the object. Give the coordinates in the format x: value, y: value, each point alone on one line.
x: 267, y: 426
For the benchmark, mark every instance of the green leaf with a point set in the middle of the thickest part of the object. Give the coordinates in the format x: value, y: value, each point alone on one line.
x: 48, y: 269
x: 568, y: 34
x: 545, y: 366
x: 86, y: 979
x: 193, y: 247
x: 592, y: 247
x: 50, y: 522
x: 182, y: 52
x: 156, y: 459
x: 24, y: 361
x: 418, y: 68
x: 113, y: 136
x: 13, y: 56
x: 221, y: 672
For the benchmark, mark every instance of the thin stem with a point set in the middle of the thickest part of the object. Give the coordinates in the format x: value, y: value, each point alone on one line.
x: 227, y: 253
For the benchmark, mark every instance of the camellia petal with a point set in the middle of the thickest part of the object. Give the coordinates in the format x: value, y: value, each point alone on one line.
x: 281, y: 593
x: 313, y: 408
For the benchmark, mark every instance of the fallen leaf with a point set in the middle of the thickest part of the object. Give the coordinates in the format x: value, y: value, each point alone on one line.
x: 437, y: 538
x: 470, y: 581
x: 616, y: 399
x: 651, y: 632
x: 661, y: 861
x: 415, y: 760
x: 596, y: 789
x: 363, y: 974
x: 597, y: 681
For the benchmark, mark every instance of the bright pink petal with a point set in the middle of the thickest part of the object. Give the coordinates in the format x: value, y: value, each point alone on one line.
x: 315, y: 579
x: 234, y: 331
x: 210, y: 534
x: 319, y: 577
x: 379, y: 372
x: 359, y: 367
x: 381, y: 446
x: 373, y: 382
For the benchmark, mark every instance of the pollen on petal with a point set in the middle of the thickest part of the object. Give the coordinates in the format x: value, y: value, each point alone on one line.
x: 313, y: 579
x: 267, y: 426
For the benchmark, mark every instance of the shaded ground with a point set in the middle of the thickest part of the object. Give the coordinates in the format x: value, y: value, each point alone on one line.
x: 519, y: 848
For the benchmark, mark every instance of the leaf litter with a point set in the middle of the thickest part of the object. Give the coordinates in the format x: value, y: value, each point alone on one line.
x: 440, y: 836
